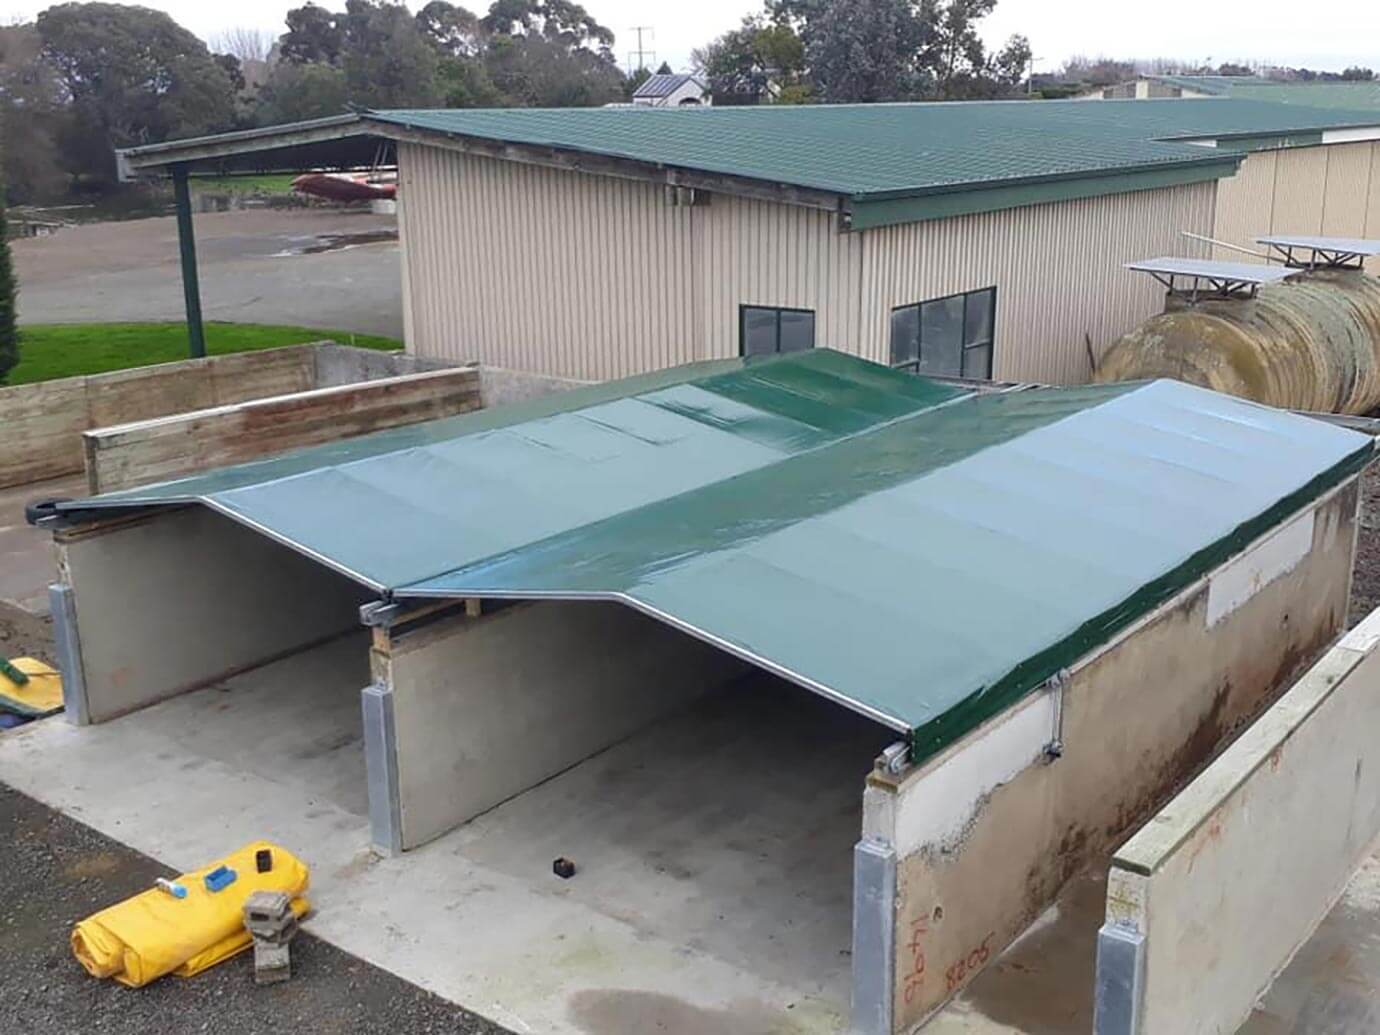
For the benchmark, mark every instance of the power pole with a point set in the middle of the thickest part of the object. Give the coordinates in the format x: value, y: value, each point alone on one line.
x: 637, y: 58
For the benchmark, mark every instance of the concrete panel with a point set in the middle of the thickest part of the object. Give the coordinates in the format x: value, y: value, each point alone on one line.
x: 487, y: 706
x: 183, y: 598
x: 347, y: 365
x: 127, y: 455
x: 499, y: 386
x: 1233, y: 875
x: 985, y: 847
x: 43, y: 422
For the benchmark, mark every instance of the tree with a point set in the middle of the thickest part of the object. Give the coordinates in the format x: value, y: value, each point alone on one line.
x: 550, y: 54
x: 1098, y: 71
x: 131, y: 76
x: 388, y: 62
x: 664, y: 69
x: 312, y: 37
x: 759, y: 60
x: 454, y: 31
x: 33, y: 113
x: 1358, y: 74
x: 867, y: 50
x: 244, y: 43
x: 9, y: 291
x: 297, y: 92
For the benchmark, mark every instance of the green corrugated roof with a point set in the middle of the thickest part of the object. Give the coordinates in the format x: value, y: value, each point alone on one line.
x: 1355, y: 96
x: 871, y: 151
x: 924, y: 556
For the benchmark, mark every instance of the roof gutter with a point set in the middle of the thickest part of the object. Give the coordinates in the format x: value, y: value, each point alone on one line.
x: 887, y: 209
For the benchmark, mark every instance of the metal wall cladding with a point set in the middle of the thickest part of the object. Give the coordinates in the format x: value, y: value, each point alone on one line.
x: 1061, y: 288
x: 1332, y: 189
x: 594, y: 277
x: 1312, y: 343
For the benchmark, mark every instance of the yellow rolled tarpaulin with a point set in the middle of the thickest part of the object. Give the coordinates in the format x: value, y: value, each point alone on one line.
x: 153, y: 933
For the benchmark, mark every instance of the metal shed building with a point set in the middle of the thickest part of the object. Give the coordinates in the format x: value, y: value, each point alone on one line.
x: 979, y: 239
x: 744, y: 580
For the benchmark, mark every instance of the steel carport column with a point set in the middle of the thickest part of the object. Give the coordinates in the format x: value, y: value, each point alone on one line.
x: 186, y: 246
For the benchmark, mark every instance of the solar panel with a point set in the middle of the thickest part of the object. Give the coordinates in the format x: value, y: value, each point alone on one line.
x: 1207, y: 269
x: 1347, y: 245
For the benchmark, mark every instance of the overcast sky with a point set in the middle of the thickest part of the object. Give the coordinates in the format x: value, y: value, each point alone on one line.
x: 1332, y: 35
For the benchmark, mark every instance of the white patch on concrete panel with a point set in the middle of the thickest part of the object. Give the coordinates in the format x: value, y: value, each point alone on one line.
x: 1365, y: 636
x: 1235, y: 583
x: 935, y: 805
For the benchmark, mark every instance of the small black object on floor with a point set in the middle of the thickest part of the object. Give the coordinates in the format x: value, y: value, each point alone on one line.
x: 563, y: 868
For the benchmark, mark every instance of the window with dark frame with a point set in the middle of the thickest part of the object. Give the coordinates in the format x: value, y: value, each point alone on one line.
x: 950, y: 336
x: 767, y: 330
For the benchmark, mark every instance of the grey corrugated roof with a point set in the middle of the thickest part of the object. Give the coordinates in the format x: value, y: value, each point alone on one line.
x: 661, y: 84
x: 924, y: 556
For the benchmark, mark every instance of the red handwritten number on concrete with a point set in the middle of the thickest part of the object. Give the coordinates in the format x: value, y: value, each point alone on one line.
x: 916, y: 976
x: 959, y: 970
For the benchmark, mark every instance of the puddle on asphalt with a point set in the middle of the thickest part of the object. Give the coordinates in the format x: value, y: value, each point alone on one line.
x: 319, y: 243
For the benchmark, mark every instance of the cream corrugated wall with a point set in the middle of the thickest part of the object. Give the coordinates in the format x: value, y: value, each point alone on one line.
x: 1057, y: 269
x: 1331, y: 189
x: 594, y: 277
x: 537, y: 269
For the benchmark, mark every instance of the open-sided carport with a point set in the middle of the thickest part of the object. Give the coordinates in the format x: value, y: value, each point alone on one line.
x: 1106, y: 579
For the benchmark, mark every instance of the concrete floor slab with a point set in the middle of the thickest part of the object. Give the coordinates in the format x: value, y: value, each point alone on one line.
x: 714, y: 848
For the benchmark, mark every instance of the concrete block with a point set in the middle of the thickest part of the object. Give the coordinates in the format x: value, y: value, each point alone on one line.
x: 1226, y: 882
x: 272, y: 963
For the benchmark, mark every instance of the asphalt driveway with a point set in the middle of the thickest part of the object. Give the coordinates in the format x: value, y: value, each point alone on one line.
x: 328, y: 268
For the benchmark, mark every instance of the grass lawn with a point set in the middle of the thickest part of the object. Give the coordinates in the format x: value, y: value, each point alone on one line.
x: 268, y: 183
x: 50, y: 350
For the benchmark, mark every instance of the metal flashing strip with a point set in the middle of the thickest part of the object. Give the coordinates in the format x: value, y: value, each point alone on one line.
x: 874, y: 937
x: 67, y: 645
x: 381, y: 769
x: 1120, y: 980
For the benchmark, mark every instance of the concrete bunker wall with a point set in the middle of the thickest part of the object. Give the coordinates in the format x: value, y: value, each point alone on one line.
x: 158, y: 604
x: 469, y: 710
x: 977, y: 841
x: 1255, y: 851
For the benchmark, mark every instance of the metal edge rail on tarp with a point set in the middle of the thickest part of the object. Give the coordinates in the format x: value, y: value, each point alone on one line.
x: 1250, y: 462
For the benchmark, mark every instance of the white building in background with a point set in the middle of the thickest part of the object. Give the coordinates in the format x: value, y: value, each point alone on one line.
x: 672, y: 91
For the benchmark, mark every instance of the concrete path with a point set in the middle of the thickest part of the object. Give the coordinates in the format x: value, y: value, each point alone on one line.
x: 323, y: 268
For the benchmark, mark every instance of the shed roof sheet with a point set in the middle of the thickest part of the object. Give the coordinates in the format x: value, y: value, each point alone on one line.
x: 879, y: 150
x: 919, y: 554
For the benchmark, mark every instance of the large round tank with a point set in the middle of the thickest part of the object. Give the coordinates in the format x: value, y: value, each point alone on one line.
x: 1310, y: 343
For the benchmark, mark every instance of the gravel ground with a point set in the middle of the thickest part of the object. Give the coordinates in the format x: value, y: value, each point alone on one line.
x: 54, y: 871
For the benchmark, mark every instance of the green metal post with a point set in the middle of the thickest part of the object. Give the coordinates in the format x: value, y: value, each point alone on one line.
x: 186, y: 245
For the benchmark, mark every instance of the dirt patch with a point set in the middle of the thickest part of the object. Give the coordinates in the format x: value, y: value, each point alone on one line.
x: 1365, y: 580
x: 25, y: 635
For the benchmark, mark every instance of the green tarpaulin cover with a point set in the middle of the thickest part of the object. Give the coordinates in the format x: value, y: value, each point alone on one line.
x: 916, y: 552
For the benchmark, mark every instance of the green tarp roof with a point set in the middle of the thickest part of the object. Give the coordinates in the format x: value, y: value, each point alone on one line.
x: 919, y: 554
